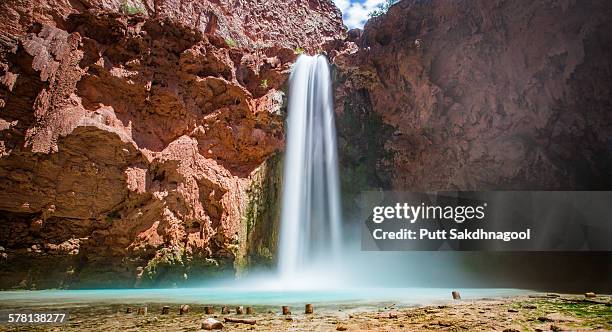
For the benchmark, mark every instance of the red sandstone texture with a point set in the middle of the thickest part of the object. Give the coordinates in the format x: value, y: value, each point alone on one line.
x: 131, y: 133
x: 480, y: 94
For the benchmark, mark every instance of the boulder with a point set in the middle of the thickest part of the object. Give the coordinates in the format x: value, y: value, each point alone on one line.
x: 211, y: 324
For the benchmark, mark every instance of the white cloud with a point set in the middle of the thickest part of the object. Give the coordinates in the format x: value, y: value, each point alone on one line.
x: 354, y: 13
x: 343, y: 4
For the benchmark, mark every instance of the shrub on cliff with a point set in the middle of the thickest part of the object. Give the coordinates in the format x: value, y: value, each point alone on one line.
x: 131, y: 9
x: 383, y: 8
x: 166, y: 261
x: 231, y: 43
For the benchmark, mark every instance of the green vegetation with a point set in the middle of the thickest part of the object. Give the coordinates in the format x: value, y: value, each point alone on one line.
x: 231, y: 42
x: 264, y: 84
x: 593, y: 314
x: 298, y: 50
x: 112, y: 216
x: 166, y: 261
x: 128, y: 9
x: 383, y: 8
x: 585, y: 309
x: 174, y: 266
x: 262, y: 215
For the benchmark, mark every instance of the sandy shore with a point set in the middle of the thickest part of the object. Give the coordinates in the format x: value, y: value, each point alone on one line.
x: 537, y: 312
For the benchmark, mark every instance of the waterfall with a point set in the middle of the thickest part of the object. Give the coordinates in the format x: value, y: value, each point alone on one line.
x: 310, y: 212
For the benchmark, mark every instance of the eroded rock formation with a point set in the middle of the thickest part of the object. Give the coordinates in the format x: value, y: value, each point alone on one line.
x: 134, y: 135
x: 478, y: 95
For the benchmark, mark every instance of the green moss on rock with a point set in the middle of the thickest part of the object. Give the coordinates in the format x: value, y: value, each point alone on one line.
x: 262, y: 216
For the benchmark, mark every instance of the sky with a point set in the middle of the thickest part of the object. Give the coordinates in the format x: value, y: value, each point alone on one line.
x: 355, y: 12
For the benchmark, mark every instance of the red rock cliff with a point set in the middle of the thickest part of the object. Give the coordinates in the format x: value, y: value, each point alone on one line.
x: 132, y: 134
x: 477, y: 95
x: 482, y: 95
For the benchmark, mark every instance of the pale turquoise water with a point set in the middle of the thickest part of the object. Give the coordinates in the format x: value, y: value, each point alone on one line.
x: 350, y: 297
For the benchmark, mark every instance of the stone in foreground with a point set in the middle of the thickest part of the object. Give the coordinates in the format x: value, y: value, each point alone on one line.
x: 211, y: 324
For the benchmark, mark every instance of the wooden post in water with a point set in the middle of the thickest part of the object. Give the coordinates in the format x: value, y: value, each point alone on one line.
x: 309, y: 309
x: 249, y: 310
x: 184, y: 309
x: 286, y: 310
x: 240, y: 310
x: 225, y: 310
x: 456, y: 295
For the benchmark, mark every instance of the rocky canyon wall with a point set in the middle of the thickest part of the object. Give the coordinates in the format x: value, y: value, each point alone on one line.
x: 482, y: 95
x: 139, y: 140
x: 136, y: 136
x: 479, y: 95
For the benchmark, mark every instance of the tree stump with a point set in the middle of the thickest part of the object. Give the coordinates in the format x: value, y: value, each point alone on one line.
x: 184, y: 309
x: 209, y: 310
x: 240, y: 310
x: 225, y: 310
x: 129, y: 310
x: 286, y: 310
x: 308, y: 309
x: 250, y: 310
x: 456, y: 295
x: 165, y: 310
x: 142, y: 310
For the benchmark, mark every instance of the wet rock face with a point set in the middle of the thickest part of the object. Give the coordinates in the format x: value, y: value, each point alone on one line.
x: 487, y: 94
x: 129, y: 133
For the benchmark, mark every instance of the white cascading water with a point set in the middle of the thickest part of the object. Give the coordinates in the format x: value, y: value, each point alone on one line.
x: 310, y: 212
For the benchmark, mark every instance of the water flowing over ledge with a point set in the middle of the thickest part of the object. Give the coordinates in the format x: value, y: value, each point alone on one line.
x: 310, y: 214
